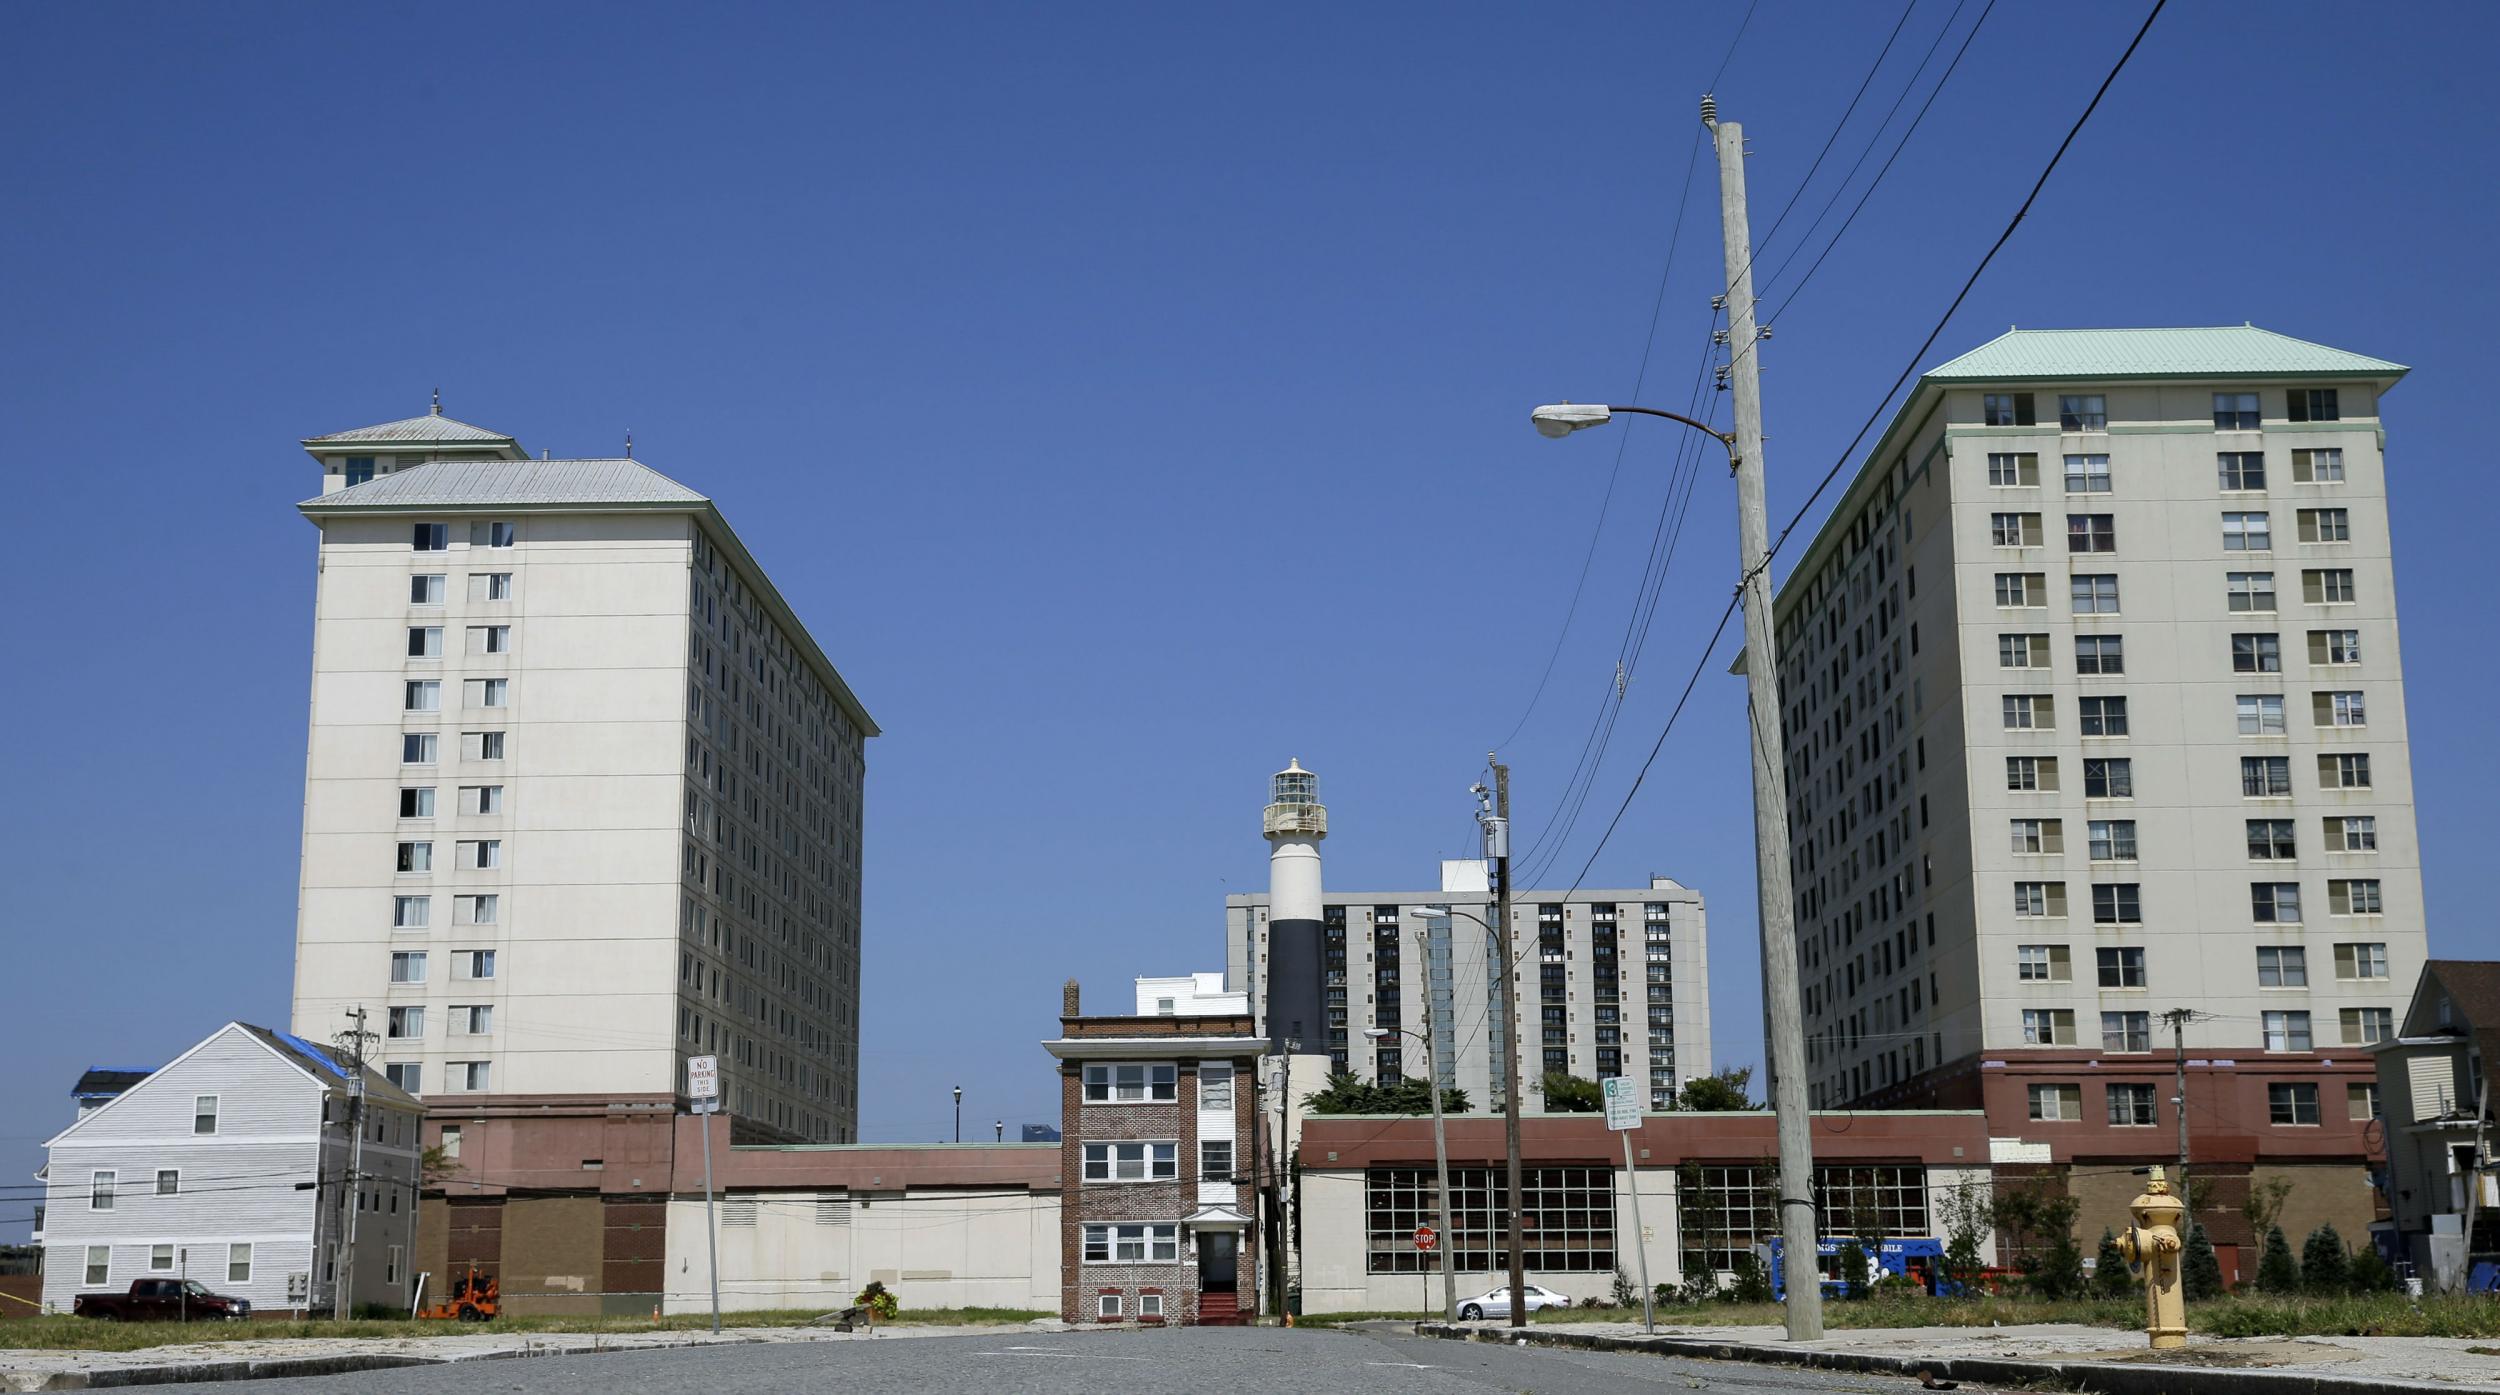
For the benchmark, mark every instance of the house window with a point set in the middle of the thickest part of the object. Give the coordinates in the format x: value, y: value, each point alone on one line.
x: 2087, y: 474
x: 2313, y: 404
x: 1150, y: 1305
x: 1215, y: 1085
x: 2113, y: 840
x: 169, y: 1181
x: 2265, y: 777
x: 2007, y: 409
x: 2344, y: 772
x: 2117, y: 903
x: 407, y: 1075
x: 100, y: 1191
x: 2367, y: 1026
x: 2282, y: 966
x: 2091, y: 532
x: 2325, y: 525
x: 2361, y: 1100
x: 2039, y: 898
x: 2130, y: 1105
x: 2103, y: 716
x: 1215, y: 1160
x: 359, y: 470
x: 1132, y: 1244
x: 2041, y: 963
x: 2334, y: 647
x: 406, y: 1022
x: 2327, y: 586
x: 99, y: 1265
x: 2292, y: 1103
x: 2242, y: 470
x: 417, y: 748
x: 490, y: 535
x: 2261, y: 714
x: 2256, y: 653
x: 2102, y: 655
x: 2120, y: 966
x: 2323, y: 466
x: 416, y: 802
x: 1131, y: 1084
x: 2247, y: 532
x: 161, y: 1259
x: 1131, y: 1162
x: 1107, y: 1305
x: 2126, y: 1031
x: 467, y: 1075
x: 473, y: 963
x: 2021, y: 590
x: 2052, y: 1104
x: 423, y: 695
x: 408, y: 966
x: 432, y: 537
x: 472, y: 1019
x: 2028, y: 712
x: 425, y: 588
x: 2236, y: 411
x: 2094, y: 593
x: 2082, y: 412
x: 2013, y: 470
x: 2109, y: 778
x: 416, y: 857
x: 2285, y: 1031
x: 411, y: 912
x: 2275, y: 903
x: 2270, y: 839
x: 2361, y: 961
x: 2048, y: 1027
x: 203, y: 1114
x: 2250, y: 593
x: 238, y: 1264
x: 2359, y: 896
x: 2014, y: 530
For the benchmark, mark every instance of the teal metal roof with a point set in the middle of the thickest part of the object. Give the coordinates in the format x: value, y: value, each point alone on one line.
x: 2221, y: 351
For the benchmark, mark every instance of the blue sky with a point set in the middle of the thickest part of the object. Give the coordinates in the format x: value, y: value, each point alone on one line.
x: 1130, y: 397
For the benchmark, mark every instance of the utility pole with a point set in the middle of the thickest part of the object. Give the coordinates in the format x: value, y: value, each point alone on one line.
x: 343, y: 1293
x: 1497, y: 847
x: 1785, y: 1018
x: 1440, y: 1136
x: 2178, y: 1018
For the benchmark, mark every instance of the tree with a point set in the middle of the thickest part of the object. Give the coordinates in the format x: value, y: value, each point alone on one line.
x: 2200, y: 1268
x: 1752, y: 1285
x: 1724, y: 1091
x: 1966, y: 1221
x: 2324, y: 1267
x: 2277, y: 1271
x: 1624, y: 1294
x: 1566, y: 1093
x: 1348, y: 1093
x: 2110, y: 1277
x: 2264, y: 1207
x: 2060, y: 1274
x: 1854, y: 1279
x: 2370, y: 1272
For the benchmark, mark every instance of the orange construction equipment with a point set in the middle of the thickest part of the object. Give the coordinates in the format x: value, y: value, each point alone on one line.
x: 473, y: 1297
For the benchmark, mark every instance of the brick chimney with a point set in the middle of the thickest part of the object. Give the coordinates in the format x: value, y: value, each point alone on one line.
x: 1067, y: 999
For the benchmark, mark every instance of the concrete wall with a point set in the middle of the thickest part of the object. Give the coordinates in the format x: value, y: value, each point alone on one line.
x: 817, y: 1249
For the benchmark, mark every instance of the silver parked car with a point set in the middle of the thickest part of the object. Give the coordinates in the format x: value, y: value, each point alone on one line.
x: 1497, y: 1303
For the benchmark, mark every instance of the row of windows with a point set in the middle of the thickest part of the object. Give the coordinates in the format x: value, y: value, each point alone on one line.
x: 480, y: 854
x: 2270, y: 903
x: 426, y: 641
x: 2241, y: 531
x: 458, y: 1076
x: 2284, y: 1030
x: 409, y: 965
x: 2257, y: 714
x: 2244, y: 593
x: 99, y: 1269
x: 417, y: 912
x: 1146, y: 1243
x: 1727, y: 1208
x: 1156, y: 1161
x: 2278, y: 966
x: 1567, y: 1218
x: 417, y: 801
x: 425, y: 747
x: 2132, y: 1104
x: 467, y: 1020
x: 2089, y: 411
x: 429, y: 588
x: 436, y: 537
x: 2103, y: 656
x: 2235, y: 472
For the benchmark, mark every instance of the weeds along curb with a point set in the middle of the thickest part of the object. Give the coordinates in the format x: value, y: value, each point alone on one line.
x: 279, y: 1367
x: 2098, y: 1377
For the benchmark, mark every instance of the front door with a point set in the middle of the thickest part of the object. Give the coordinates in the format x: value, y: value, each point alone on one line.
x: 1218, y: 1268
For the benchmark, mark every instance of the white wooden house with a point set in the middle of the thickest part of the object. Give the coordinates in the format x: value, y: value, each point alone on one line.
x: 232, y: 1165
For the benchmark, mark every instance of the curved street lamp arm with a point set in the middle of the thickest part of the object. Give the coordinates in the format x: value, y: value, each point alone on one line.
x: 1725, y: 438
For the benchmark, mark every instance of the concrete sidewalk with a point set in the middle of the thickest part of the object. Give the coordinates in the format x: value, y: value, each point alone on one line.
x: 251, y: 1359
x: 2098, y: 1359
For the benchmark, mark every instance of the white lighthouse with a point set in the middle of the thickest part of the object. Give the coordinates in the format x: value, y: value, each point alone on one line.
x: 1295, y: 998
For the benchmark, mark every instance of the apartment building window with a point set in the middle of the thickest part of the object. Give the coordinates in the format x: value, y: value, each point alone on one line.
x: 1131, y: 1084
x: 416, y: 857
x: 411, y: 912
x: 2014, y: 529
x: 2091, y: 532
x: 2339, y: 709
x: 2028, y: 712
x: 2040, y: 899
x: 481, y: 745
x: 2103, y: 656
x: 1107, y: 1304
x: 2009, y: 470
x: 471, y: 1076
x: 2126, y: 1031
x: 2325, y: 525
x: 481, y: 853
x: 1132, y: 1162
x: 2247, y: 532
x: 2256, y: 653
x: 2111, y: 777
x: 475, y: 910
x: 408, y: 966
x: 490, y: 586
x: 2282, y: 966
x: 1132, y: 1244
x: 2082, y: 412
x: 2354, y: 896
x: 2352, y: 833
x: 486, y: 692
x: 490, y: 535
x: 100, y: 1190
x: 2113, y: 840
x: 473, y: 963
x: 2313, y: 404
x: 1215, y: 1160
x: 2130, y: 1105
x: 2055, y: 1104
x: 472, y: 1019
x: 2344, y: 772
x: 2242, y: 471
x: 2292, y: 1103
x: 407, y: 1075
x: 2261, y: 714
x: 2361, y: 1100
x: 2366, y: 1026
x: 2236, y: 411
x: 481, y: 799
x: 425, y: 641
x: 2121, y: 966
x: 2031, y: 773
x: 2285, y: 1030
x: 2270, y: 839
x: 2094, y: 593
x: 422, y: 695
x: 2321, y: 466
x: 2334, y: 647
x: 2007, y: 409
x: 416, y: 802
x: 2087, y: 474
x: 2250, y: 593
x: 2327, y: 586
x: 2103, y: 716
x: 431, y: 537
x: 2274, y: 903
x: 406, y: 1022
x: 490, y: 639
x: 417, y: 748
x: 2362, y: 962
x: 2038, y: 835
x: 2022, y: 590
x: 2048, y: 1027
x: 425, y: 588
x: 2041, y: 963
x: 2265, y: 777
x: 2117, y: 903
x: 2022, y: 651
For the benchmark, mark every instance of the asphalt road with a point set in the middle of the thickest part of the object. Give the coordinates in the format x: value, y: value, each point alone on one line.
x: 1307, y: 1361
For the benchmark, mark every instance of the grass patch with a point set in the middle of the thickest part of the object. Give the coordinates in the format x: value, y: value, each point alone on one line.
x: 87, y: 1334
x: 2254, y: 1315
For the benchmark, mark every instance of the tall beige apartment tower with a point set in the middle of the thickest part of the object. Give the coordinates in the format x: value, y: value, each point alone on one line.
x: 2095, y: 711
x: 582, y: 800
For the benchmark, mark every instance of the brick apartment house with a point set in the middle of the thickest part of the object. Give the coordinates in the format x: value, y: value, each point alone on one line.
x: 1158, y: 1218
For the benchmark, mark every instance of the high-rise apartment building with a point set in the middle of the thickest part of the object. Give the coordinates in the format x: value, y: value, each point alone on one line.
x: 582, y: 797
x: 2094, y: 711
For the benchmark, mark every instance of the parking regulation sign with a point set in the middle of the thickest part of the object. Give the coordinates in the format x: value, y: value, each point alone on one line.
x: 1623, y: 1107
x: 703, y: 1077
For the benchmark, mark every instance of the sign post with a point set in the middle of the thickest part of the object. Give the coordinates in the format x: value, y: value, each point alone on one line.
x: 703, y: 1089
x: 1623, y: 1115
x: 1425, y: 1238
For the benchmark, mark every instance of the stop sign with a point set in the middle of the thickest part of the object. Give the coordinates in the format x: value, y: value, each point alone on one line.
x: 1425, y: 1239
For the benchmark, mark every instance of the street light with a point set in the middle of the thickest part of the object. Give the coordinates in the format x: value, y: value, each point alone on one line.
x: 959, y: 1114
x: 1511, y: 1238
x: 1440, y: 1137
x: 1786, y: 1019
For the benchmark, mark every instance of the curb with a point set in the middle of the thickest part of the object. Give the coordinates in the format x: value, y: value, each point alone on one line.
x: 280, y: 1367
x: 2099, y: 1377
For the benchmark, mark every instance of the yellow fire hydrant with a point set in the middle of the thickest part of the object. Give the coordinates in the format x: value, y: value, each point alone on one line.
x: 2154, y: 1244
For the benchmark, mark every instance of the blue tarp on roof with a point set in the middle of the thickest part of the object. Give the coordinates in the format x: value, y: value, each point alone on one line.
x: 319, y: 1055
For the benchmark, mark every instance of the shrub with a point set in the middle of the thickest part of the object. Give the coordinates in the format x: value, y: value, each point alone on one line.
x: 1966, y: 1215
x: 2324, y: 1267
x: 1624, y: 1294
x: 1853, y: 1275
x: 879, y: 1300
x: 2060, y: 1274
x: 1752, y: 1284
x: 2277, y: 1271
x: 2200, y: 1269
x: 2371, y: 1273
x: 2110, y: 1278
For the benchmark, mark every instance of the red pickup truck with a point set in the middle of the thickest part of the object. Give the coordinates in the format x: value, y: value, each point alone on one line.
x: 161, y: 1300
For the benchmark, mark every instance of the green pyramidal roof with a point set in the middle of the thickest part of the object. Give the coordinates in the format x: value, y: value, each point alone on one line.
x: 2223, y: 351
